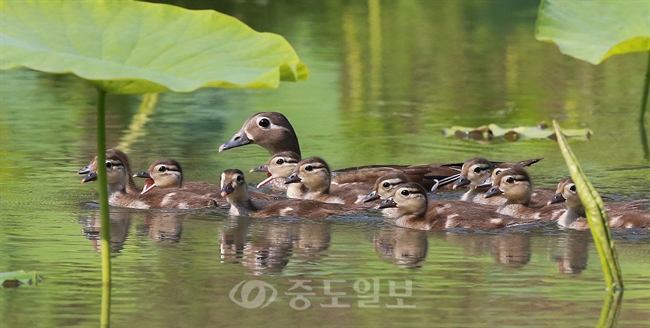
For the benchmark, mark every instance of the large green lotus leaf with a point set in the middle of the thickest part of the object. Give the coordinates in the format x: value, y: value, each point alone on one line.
x: 136, y: 47
x: 594, y: 30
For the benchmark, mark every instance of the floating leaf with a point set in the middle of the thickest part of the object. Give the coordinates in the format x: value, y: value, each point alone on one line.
x: 594, y: 30
x: 485, y: 133
x: 18, y: 278
x: 136, y: 47
x: 596, y: 215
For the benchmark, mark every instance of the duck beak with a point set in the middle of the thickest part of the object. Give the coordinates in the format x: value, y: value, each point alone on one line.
x: 493, y: 192
x: 386, y: 203
x: 148, y: 185
x: 90, y: 176
x: 486, y: 183
x: 462, y: 181
x: 144, y: 174
x: 293, y: 178
x: 239, y: 139
x: 85, y: 170
x: 557, y: 198
x: 227, y: 190
x: 261, y: 168
x: 371, y: 196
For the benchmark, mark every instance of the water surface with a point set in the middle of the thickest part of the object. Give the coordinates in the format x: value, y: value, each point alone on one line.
x: 386, y: 78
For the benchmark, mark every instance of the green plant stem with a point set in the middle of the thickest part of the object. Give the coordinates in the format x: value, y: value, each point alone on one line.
x: 611, y: 308
x: 103, y: 209
x: 596, y: 215
x: 646, y: 90
x: 642, y: 110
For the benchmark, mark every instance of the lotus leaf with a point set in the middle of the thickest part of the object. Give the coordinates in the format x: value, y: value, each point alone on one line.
x: 133, y: 47
x: 595, y: 30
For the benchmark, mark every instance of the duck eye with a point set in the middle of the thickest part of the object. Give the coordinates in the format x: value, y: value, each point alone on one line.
x: 477, y: 170
x: 240, y: 178
x: 573, y: 188
x: 405, y: 192
x: 510, y: 180
x: 162, y: 168
x: 280, y: 161
x: 309, y: 168
x: 264, y: 122
x: 109, y: 165
x: 386, y: 184
x: 497, y: 172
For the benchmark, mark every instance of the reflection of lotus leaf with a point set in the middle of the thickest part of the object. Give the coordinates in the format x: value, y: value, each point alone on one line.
x: 135, y: 47
x: 594, y: 30
x: 485, y: 133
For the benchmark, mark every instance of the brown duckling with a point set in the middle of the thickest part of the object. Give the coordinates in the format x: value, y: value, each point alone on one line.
x: 168, y: 174
x: 621, y: 215
x: 416, y: 212
x: 274, y: 132
x: 90, y: 170
x: 233, y: 187
x: 118, y: 194
x: 279, y: 167
x: 538, y: 197
x: 476, y: 171
x: 515, y: 185
x: 315, y: 175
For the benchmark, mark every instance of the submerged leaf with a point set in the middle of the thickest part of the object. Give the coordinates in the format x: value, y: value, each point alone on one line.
x: 18, y: 278
x: 595, y: 30
x: 136, y: 47
x: 596, y: 215
x: 485, y: 133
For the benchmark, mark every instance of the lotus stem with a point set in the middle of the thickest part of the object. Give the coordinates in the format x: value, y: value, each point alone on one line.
x: 596, y: 216
x: 103, y: 209
x: 644, y: 105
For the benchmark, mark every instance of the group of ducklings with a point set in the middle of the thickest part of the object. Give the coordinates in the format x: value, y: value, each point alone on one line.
x: 500, y: 194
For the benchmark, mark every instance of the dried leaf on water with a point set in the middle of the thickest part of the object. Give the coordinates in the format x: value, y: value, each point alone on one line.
x: 485, y: 133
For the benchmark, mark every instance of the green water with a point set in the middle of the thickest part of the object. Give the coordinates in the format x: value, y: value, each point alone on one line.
x: 386, y: 78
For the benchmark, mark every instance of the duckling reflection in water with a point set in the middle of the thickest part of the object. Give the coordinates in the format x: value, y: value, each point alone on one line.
x: 405, y: 247
x: 119, y: 227
x: 512, y: 250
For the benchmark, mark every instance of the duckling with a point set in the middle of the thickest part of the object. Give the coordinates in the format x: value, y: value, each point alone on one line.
x: 315, y: 174
x: 274, y: 132
x: 621, y: 215
x: 279, y: 167
x: 416, y: 212
x: 118, y: 194
x: 538, y: 197
x: 385, y: 186
x: 233, y: 187
x: 167, y: 173
x: 90, y: 170
x: 515, y: 185
x: 477, y: 170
